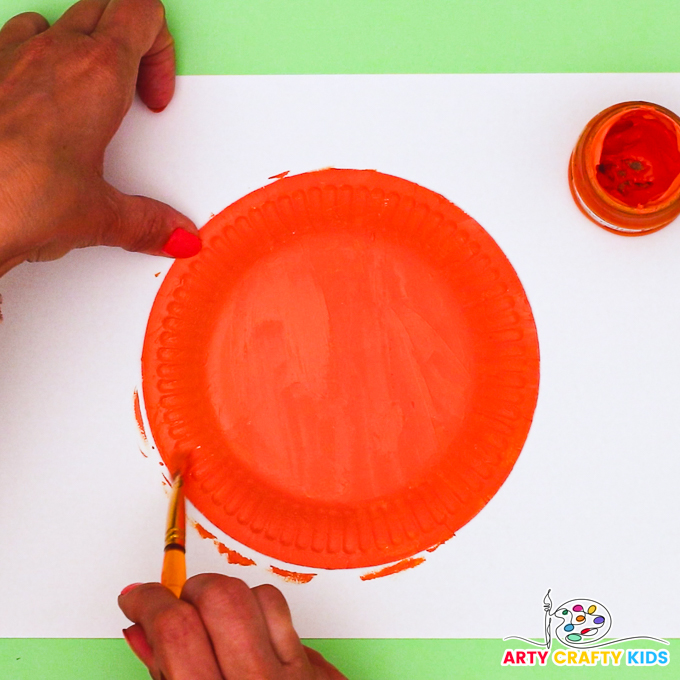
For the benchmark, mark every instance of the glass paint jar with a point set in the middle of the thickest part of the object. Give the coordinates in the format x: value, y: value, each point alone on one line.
x: 624, y: 172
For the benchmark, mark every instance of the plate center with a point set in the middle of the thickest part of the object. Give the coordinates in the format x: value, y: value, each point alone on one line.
x: 340, y: 367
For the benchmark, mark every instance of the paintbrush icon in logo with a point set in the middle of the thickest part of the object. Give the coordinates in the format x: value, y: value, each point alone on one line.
x: 581, y: 624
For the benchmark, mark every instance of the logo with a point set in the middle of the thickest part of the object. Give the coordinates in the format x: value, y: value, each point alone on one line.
x: 582, y: 624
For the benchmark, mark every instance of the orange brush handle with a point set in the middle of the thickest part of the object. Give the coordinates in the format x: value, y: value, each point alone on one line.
x: 174, y: 572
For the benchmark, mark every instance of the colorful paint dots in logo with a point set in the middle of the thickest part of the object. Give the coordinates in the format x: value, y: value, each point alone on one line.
x: 581, y: 622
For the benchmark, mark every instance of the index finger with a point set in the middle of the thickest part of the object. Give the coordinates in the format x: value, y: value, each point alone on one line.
x: 175, y: 632
x: 140, y: 27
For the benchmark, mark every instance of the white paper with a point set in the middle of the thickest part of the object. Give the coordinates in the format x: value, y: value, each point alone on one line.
x: 592, y: 507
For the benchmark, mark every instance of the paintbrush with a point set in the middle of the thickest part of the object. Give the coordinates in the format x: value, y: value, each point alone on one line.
x: 174, y: 572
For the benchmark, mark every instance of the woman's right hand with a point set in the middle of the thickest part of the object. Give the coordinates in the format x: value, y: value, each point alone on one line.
x: 219, y: 629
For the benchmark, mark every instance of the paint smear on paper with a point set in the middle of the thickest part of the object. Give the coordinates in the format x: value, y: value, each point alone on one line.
x: 434, y: 547
x: 138, y: 418
x: 281, y: 175
x: 157, y: 274
x: 140, y: 425
x: 394, y: 568
x: 292, y: 576
x: 233, y: 557
x: 1, y: 317
x: 203, y: 532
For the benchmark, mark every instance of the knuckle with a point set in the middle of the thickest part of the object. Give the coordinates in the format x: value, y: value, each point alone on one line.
x: 157, y: 9
x: 32, y: 19
x: 106, y: 53
x: 143, y: 235
x: 36, y: 48
x: 224, y: 595
x: 175, y: 623
x: 270, y: 595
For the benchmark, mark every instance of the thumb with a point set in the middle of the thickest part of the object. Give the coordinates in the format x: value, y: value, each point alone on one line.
x: 145, y: 225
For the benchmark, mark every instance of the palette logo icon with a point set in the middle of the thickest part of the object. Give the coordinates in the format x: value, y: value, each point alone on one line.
x: 581, y: 623
x: 578, y: 623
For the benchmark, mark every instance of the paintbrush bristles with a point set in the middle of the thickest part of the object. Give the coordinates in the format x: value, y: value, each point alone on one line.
x: 183, y: 462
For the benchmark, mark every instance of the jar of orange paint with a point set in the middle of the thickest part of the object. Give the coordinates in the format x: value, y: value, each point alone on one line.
x: 624, y: 173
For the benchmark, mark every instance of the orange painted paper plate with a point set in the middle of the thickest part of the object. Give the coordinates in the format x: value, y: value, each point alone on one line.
x: 354, y: 363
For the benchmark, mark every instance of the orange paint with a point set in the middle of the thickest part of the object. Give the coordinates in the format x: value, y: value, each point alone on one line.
x: 157, y: 274
x: 357, y: 360
x: 233, y: 557
x: 203, y: 532
x: 292, y: 576
x: 640, y: 159
x: 434, y: 547
x: 139, y: 419
x: 624, y: 172
x: 281, y: 175
x: 409, y: 563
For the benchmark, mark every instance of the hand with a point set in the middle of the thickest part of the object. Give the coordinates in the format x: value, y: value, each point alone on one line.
x: 64, y: 91
x: 219, y: 629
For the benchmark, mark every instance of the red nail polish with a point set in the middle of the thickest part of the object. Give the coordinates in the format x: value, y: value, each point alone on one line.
x: 158, y: 110
x: 127, y: 589
x: 182, y: 244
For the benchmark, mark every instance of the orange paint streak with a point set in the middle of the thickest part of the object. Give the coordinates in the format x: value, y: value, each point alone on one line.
x: 203, y: 532
x: 139, y: 419
x: 281, y: 175
x: 292, y: 576
x: 232, y: 556
x: 434, y: 547
x: 157, y: 274
x: 394, y: 568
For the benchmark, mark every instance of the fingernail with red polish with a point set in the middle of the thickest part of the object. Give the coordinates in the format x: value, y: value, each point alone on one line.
x: 127, y: 589
x: 182, y: 244
x: 158, y: 110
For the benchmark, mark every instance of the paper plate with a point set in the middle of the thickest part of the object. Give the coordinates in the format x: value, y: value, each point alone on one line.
x: 352, y: 361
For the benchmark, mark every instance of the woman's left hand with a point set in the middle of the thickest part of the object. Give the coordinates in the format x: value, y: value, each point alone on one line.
x: 64, y: 91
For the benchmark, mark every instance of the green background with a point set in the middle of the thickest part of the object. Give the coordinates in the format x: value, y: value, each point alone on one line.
x: 358, y: 659
x: 405, y: 36
x: 386, y: 36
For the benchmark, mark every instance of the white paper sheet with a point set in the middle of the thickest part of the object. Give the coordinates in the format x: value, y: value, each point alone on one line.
x: 592, y: 507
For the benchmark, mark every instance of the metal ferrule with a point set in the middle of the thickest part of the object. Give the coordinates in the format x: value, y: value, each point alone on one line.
x: 175, y: 534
